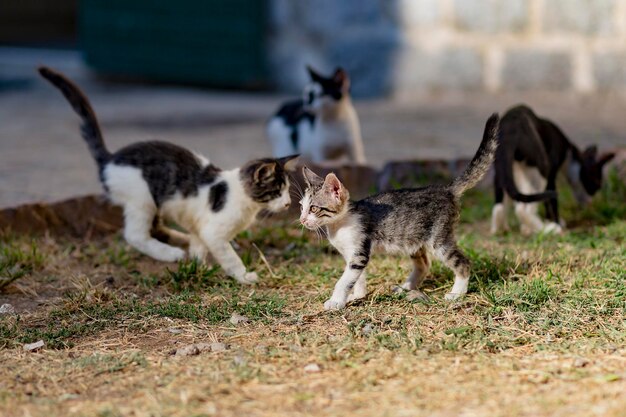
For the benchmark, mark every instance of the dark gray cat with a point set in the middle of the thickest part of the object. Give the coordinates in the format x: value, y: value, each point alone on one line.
x: 416, y: 221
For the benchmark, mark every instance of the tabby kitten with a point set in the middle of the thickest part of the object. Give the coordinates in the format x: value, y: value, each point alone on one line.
x: 321, y: 126
x: 155, y: 181
x: 416, y: 221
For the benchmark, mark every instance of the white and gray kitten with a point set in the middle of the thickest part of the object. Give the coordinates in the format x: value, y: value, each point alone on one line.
x: 155, y: 181
x: 419, y: 222
x: 323, y: 126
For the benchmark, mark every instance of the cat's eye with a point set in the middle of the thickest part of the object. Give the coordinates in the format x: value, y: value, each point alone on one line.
x: 314, y: 209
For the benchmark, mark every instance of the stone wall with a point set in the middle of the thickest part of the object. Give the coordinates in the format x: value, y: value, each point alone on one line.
x: 404, y: 46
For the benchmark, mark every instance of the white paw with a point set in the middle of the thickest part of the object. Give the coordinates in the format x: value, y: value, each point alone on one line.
x: 248, y: 278
x: 525, y: 230
x: 171, y: 255
x: 334, y: 305
x: 552, y: 228
x: 451, y: 296
x: 408, y: 286
x: 356, y: 296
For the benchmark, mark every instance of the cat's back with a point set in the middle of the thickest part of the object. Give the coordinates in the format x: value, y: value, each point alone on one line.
x: 159, y: 168
x: 515, y: 121
x: 141, y: 154
x: 407, y: 203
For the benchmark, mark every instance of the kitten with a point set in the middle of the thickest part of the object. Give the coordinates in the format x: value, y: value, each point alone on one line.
x: 322, y: 126
x: 414, y: 221
x: 155, y: 181
x: 532, y: 151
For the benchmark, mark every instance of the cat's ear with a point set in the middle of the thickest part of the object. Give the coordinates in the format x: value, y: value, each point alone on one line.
x: 264, y: 171
x: 590, y: 152
x: 340, y: 77
x: 335, y: 188
x: 315, y: 76
x: 604, y: 158
x: 289, y: 162
x: 311, y: 178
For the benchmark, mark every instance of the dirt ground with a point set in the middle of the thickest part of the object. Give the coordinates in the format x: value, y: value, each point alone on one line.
x: 542, y: 331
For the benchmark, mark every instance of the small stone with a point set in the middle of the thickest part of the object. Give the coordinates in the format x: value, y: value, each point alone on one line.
x: 195, y: 349
x: 367, y: 329
x: 581, y: 363
x: 204, y: 347
x: 33, y: 347
x: 239, y: 360
x: 312, y: 368
x: 7, y: 309
x: 416, y: 295
x: 237, y: 318
x: 189, y: 350
x: 218, y: 347
x: 174, y: 330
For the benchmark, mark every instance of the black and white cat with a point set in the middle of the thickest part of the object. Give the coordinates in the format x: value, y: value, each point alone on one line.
x: 155, y: 181
x: 419, y: 222
x: 531, y: 153
x: 322, y: 126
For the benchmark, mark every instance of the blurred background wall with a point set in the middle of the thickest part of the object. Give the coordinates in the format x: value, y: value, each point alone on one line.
x: 391, y: 47
x: 403, y: 46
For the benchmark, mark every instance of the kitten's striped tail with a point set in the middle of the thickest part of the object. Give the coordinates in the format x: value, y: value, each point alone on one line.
x: 90, y: 129
x: 483, y: 159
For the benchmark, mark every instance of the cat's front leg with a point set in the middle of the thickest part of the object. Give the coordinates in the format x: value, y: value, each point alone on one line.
x: 228, y: 259
x: 360, y: 288
x: 343, y: 287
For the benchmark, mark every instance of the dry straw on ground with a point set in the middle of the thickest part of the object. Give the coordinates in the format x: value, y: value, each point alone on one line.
x: 541, y: 333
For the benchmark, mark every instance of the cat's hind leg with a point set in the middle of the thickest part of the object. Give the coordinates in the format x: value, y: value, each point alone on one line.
x: 454, y: 259
x: 137, y: 226
x: 498, y: 214
x: 529, y: 221
x: 168, y: 235
x: 421, y: 266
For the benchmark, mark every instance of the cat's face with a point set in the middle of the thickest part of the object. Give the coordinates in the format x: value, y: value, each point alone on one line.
x: 266, y: 181
x: 325, y: 200
x: 591, y: 167
x: 324, y: 93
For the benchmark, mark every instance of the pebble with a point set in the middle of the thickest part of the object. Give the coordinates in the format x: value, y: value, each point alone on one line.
x: 198, y: 348
x: 7, y: 309
x: 312, y: 368
x: 237, y: 318
x: 218, y: 347
x: 581, y: 363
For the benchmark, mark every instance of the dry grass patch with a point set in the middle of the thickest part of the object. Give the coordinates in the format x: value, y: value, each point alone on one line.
x: 542, y: 331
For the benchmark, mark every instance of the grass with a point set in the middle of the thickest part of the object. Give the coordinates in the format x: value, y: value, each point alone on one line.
x: 17, y: 260
x: 541, y: 332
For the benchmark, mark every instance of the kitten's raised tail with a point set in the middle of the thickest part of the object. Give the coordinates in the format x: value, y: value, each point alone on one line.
x: 480, y: 163
x: 90, y: 129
